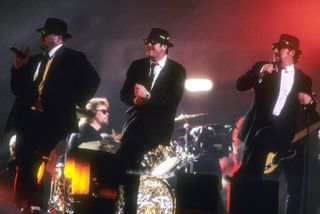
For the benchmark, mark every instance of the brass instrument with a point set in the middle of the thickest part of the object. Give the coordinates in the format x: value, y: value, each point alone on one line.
x: 60, y: 200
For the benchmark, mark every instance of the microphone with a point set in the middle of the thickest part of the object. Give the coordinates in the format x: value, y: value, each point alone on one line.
x: 276, y: 66
x: 18, y: 52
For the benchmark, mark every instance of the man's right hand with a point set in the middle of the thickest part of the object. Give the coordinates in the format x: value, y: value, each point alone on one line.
x: 18, y: 62
x: 269, y: 68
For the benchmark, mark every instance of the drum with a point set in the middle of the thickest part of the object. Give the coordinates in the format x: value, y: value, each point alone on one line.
x: 210, y: 138
x: 161, y: 161
x: 155, y: 196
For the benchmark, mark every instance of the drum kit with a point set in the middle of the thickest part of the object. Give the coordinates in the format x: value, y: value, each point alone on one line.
x: 155, y: 194
x: 196, y: 142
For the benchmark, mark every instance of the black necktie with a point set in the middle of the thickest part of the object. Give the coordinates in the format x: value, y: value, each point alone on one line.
x: 152, y: 73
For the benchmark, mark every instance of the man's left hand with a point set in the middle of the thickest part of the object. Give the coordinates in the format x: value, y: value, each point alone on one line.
x: 304, y: 99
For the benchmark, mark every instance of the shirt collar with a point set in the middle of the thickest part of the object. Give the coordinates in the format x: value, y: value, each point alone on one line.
x: 289, y: 68
x: 54, y: 50
x: 162, y: 62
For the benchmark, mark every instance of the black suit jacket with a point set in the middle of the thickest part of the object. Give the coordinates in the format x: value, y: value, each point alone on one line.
x: 266, y: 94
x: 152, y: 123
x: 71, y: 81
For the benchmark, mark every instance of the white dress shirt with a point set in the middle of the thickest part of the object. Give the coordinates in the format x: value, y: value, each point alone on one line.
x: 287, y: 79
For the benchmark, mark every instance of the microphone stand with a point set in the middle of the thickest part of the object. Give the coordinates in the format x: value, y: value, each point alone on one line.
x: 189, y: 157
x: 186, y: 126
x: 304, y: 194
x: 306, y: 161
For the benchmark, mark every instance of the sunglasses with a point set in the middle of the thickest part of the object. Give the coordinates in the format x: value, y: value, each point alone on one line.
x: 146, y: 42
x: 44, y: 34
x: 103, y: 111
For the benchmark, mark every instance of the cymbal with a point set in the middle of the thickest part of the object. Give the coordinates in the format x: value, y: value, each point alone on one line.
x: 188, y: 116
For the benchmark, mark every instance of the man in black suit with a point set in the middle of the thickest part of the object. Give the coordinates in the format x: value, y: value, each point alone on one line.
x: 281, y: 91
x: 153, y: 88
x: 48, y: 87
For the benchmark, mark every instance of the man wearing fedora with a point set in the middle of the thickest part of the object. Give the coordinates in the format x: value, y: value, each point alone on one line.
x: 48, y: 86
x: 282, y: 94
x: 152, y: 89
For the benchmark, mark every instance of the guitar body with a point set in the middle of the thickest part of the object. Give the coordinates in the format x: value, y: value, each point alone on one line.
x: 273, y: 160
x: 270, y: 166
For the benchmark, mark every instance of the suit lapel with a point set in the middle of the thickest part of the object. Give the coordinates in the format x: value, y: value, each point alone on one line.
x: 145, y: 74
x: 162, y: 74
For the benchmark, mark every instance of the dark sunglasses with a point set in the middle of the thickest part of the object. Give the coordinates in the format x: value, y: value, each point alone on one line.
x: 42, y: 34
x: 146, y: 42
x: 103, y: 111
x: 277, y: 47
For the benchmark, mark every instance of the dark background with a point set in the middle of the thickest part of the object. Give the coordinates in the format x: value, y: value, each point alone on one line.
x: 214, y: 39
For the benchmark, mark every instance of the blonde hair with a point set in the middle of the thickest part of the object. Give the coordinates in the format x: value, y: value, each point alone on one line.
x: 94, y: 102
x: 92, y: 106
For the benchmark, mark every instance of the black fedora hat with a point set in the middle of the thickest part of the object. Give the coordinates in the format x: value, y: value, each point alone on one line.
x: 159, y: 35
x: 288, y: 41
x: 55, y: 26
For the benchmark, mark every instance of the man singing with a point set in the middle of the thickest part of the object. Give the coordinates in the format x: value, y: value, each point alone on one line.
x: 281, y: 90
x: 48, y: 86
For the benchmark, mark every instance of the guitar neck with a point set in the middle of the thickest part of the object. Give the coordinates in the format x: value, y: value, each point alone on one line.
x: 305, y: 131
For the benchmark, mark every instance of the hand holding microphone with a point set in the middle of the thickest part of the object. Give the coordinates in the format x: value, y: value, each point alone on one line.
x: 268, y: 68
x: 18, y: 52
x: 22, y: 56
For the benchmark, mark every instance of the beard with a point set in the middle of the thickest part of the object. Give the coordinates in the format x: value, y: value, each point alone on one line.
x: 47, y: 46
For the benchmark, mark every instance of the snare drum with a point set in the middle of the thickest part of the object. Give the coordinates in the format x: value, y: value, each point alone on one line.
x: 166, y: 167
x: 161, y: 161
x: 155, y: 196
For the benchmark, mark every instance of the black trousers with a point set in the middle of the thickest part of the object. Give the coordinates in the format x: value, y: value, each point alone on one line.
x: 36, y: 138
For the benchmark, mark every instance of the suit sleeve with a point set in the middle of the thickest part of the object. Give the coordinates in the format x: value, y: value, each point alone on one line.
x: 170, y: 94
x: 126, y: 92
x: 87, y: 80
x: 22, y: 78
x: 19, y: 80
x: 307, y: 88
x: 250, y: 78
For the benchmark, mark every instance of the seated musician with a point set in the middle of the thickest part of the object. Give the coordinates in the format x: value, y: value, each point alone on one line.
x: 92, y: 127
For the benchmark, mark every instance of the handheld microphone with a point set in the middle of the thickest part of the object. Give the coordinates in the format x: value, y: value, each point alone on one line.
x: 18, y: 52
x: 276, y: 66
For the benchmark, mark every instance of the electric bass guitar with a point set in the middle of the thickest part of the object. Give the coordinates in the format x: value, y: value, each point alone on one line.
x: 273, y: 160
